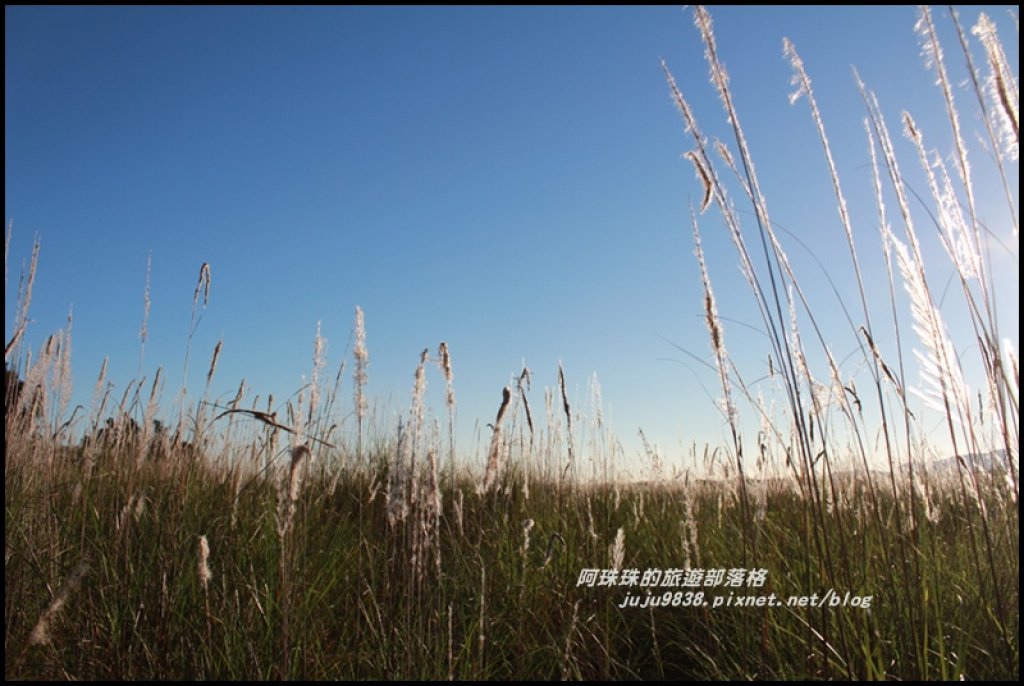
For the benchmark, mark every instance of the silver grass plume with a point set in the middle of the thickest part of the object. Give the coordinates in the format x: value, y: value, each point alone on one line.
x: 40, y: 634
x: 1002, y: 87
x: 362, y: 358
x: 494, y: 455
x: 617, y: 551
x: 203, y: 567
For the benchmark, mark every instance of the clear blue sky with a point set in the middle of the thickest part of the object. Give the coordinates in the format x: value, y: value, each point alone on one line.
x: 508, y: 180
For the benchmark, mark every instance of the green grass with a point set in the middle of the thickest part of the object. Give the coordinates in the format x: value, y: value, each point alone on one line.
x: 360, y: 608
x: 359, y: 558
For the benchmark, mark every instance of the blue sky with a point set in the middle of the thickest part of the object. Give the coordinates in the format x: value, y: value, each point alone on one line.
x: 508, y: 180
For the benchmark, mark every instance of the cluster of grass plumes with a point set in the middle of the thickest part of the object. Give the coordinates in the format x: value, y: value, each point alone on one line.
x: 829, y: 422
x: 254, y: 539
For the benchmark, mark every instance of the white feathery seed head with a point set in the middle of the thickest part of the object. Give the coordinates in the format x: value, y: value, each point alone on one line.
x: 617, y: 551
x: 205, y: 575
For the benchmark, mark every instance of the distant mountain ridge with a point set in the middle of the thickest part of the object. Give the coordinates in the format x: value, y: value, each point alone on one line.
x: 987, y: 461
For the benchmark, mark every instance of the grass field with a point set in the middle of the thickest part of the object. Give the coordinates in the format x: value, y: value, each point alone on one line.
x: 230, y: 541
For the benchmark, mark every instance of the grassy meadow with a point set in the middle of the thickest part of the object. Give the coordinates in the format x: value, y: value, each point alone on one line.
x: 247, y: 538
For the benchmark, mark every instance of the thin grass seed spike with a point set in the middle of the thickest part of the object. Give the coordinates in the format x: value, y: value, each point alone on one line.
x: 270, y: 419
